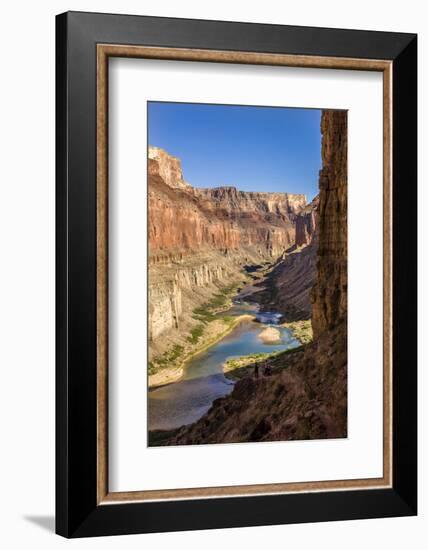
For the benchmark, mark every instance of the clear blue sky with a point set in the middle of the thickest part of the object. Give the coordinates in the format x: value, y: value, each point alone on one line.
x: 251, y: 148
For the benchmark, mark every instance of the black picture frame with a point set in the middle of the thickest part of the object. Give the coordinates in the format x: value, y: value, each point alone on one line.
x: 77, y: 512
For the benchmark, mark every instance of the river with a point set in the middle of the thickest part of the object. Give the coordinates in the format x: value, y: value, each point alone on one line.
x: 185, y: 401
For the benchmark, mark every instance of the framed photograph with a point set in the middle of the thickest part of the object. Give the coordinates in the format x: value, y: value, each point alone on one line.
x: 236, y: 274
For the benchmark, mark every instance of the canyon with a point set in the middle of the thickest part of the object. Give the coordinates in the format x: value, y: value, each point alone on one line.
x: 202, y: 240
x: 289, y: 283
x: 306, y: 395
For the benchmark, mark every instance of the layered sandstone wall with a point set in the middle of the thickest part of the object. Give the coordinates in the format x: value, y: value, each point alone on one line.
x: 175, y: 290
x: 291, y: 283
x: 165, y: 307
x: 264, y: 221
x: 183, y: 219
x: 229, y: 200
x: 330, y: 296
x: 288, y: 286
x: 306, y: 223
x: 178, y: 226
x: 166, y: 167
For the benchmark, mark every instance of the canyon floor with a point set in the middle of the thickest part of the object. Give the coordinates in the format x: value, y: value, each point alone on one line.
x: 300, y: 397
x: 206, y: 324
x: 237, y: 333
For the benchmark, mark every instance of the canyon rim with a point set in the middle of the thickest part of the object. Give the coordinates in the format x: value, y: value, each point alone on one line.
x: 247, y: 274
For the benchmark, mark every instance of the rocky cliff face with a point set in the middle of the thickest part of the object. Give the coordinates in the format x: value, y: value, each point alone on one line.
x: 177, y: 288
x: 288, y: 287
x: 201, y: 238
x: 183, y: 219
x: 165, y: 167
x: 308, y: 399
x: 264, y: 222
x: 330, y: 292
x: 306, y: 222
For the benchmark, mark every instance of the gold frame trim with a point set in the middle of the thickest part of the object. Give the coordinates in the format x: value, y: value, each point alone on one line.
x: 104, y: 51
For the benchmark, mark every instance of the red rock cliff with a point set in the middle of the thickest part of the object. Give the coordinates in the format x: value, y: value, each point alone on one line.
x: 183, y: 219
x: 166, y: 167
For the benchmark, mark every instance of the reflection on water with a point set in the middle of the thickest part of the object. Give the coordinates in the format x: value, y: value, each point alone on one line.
x: 187, y: 400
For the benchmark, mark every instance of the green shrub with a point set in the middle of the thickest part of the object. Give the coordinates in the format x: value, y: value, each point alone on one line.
x: 195, y: 334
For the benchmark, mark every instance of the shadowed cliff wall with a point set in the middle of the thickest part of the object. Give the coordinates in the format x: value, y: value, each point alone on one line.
x: 330, y: 293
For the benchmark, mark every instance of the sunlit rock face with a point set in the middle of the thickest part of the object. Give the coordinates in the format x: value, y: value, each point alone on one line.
x: 306, y: 223
x: 183, y: 219
x: 166, y: 167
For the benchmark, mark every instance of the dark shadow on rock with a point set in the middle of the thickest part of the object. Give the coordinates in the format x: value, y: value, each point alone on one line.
x: 45, y: 522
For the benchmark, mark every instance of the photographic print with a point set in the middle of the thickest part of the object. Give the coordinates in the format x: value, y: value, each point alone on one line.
x: 235, y: 274
x: 247, y: 274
